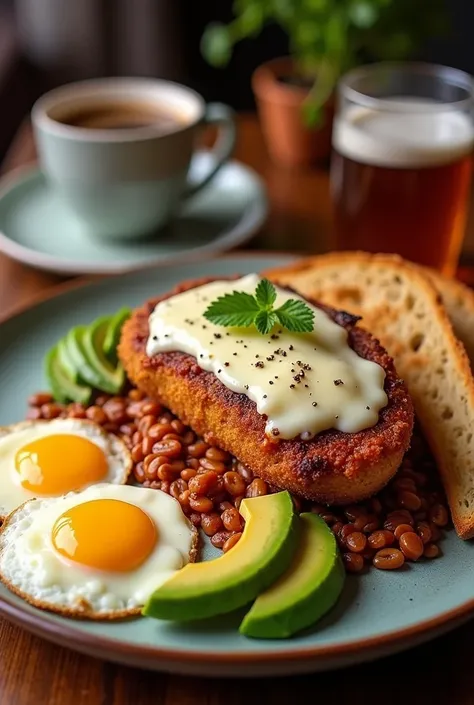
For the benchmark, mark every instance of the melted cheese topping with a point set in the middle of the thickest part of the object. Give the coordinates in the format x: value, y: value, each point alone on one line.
x: 303, y: 383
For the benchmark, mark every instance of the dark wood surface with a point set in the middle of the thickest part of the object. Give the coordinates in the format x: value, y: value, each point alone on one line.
x: 34, y: 672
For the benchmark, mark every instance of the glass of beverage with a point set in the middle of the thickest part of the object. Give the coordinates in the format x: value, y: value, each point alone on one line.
x: 401, y: 165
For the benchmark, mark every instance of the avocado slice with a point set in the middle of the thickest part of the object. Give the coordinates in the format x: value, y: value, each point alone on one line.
x: 66, y: 361
x: 112, y: 335
x: 308, y: 589
x: 64, y: 389
x: 85, y: 348
x: 264, y: 552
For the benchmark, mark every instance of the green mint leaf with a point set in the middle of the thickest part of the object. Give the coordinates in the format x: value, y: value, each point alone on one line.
x: 264, y: 321
x: 296, y: 316
x: 265, y: 294
x: 236, y: 309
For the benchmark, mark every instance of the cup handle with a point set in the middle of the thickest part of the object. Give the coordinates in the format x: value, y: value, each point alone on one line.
x: 222, y: 116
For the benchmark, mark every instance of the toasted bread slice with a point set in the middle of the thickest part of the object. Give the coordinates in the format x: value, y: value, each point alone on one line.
x: 401, y: 306
x: 458, y: 300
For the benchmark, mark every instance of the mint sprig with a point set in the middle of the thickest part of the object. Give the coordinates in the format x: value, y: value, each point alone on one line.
x: 240, y: 309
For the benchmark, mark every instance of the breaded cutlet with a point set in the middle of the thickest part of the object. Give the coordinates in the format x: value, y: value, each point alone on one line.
x: 333, y: 467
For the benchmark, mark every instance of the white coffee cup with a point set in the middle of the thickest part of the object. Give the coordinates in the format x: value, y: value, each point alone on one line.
x: 127, y: 182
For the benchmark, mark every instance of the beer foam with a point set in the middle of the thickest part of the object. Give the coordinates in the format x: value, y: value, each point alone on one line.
x: 423, y: 136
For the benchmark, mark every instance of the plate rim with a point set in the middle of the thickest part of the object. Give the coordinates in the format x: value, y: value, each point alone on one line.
x: 237, y: 235
x: 62, y: 632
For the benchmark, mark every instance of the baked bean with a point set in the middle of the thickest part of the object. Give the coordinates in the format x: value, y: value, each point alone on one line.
x: 172, y: 437
x: 169, y: 471
x: 77, y: 411
x: 152, y: 408
x: 234, y: 483
x: 388, y: 559
x: 214, y: 453
x: 231, y: 519
x: 102, y: 399
x: 50, y: 410
x: 352, y: 512
x: 337, y: 528
x: 170, y: 448
x: 33, y: 412
x: 195, y: 518
x: 139, y: 472
x: 147, y: 445
x: 353, y: 562
x: 346, y: 530
x: 402, y: 529
x: 404, y: 484
x: 356, y: 541
x: 424, y: 531
x: 198, y: 449
x: 257, y: 488
x: 360, y: 522
x: 177, y: 487
x: 439, y: 515
x: 238, y: 501
x: 421, y: 478
x: 127, y: 429
x: 219, y: 539
x: 151, y: 467
x: 183, y: 499
x: 40, y: 398
x: 201, y: 484
x: 381, y: 539
x: 373, y: 523
x: 435, y: 532
x: 392, y: 522
x: 246, y: 473
x: 431, y: 550
x: 167, y: 417
x: 200, y: 503
x: 231, y: 542
x: 420, y: 516
x: 145, y: 423
x: 188, y: 473
x: 137, y: 453
x: 137, y: 438
x: 376, y: 505
x: 399, y: 512
x: 110, y: 427
x: 411, y: 545
x: 410, y: 500
x: 368, y: 554
x: 188, y: 438
x: 115, y: 410
x: 133, y: 410
x: 136, y: 395
x: 215, y: 465
x: 330, y: 518
x: 225, y: 505
x: 158, y: 430
x: 211, y: 523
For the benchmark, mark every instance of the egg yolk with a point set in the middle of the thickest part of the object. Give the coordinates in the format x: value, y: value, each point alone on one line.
x: 60, y: 463
x: 106, y: 534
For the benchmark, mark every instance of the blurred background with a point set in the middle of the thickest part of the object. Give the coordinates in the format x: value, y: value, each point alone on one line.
x: 47, y: 42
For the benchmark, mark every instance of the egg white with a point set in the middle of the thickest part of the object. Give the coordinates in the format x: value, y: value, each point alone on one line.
x: 14, y: 437
x: 32, y: 568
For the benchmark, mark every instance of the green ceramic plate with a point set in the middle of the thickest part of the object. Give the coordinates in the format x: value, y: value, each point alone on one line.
x: 379, y: 613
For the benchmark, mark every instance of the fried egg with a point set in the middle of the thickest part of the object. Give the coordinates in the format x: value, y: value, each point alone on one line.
x: 98, y: 553
x: 52, y: 458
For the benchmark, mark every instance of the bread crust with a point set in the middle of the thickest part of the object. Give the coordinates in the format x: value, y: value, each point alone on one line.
x: 332, y: 468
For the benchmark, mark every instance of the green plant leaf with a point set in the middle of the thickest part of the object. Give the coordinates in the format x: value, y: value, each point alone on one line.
x: 264, y: 321
x: 296, y: 316
x: 236, y: 309
x: 216, y: 44
x: 313, y: 114
x: 250, y: 22
x: 363, y: 14
x: 265, y: 294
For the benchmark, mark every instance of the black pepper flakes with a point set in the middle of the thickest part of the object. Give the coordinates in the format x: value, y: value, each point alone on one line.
x: 275, y: 432
x: 270, y: 381
x: 259, y: 364
x: 226, y: 364
x: 274, y: 337
x: 246, y: 386
x: 264, y: 396
x: 234, y: 353
x: 217, y: 336
x: 155, y: 337
x: 290, y: 347
x: 338, y: 382
x: 368, y: 408
x: 292, y: 386
x: 315, y: 403
x: 270, y: 358
x: 219, y: 371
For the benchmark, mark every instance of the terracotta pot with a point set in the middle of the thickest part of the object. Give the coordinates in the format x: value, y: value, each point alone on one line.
x: 280, y: 107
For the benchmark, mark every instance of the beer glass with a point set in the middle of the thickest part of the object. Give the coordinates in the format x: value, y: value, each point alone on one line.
x: 401, y: 164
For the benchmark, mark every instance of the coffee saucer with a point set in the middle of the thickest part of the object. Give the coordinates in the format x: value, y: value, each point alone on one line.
x: 38, y: 229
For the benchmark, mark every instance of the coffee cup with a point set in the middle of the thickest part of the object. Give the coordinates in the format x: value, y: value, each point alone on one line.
x: 119, y: 150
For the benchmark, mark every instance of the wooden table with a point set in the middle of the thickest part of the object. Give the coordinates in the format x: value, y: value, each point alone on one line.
x: 34, y: 672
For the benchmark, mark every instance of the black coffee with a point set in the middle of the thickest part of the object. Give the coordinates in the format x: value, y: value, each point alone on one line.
x: 120, y: 116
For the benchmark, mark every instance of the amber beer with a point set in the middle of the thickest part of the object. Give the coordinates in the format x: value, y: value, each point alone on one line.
x: 400, y: 180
